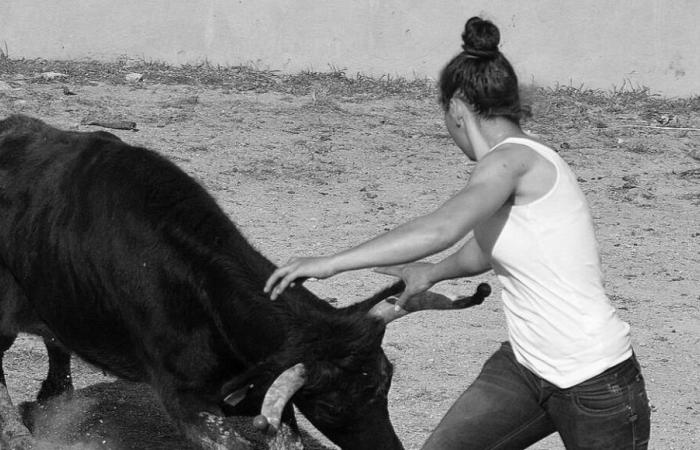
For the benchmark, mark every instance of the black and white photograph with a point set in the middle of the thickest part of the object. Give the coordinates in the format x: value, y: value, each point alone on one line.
x: 364, y: 225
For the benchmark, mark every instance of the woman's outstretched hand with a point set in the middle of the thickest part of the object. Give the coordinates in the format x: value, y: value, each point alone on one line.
x: 416, y: 276
x: 295, y: 269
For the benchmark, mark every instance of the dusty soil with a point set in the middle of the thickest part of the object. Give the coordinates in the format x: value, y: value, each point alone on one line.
x: 313, y: 172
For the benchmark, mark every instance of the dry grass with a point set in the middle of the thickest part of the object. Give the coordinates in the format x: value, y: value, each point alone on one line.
x: 621, y: 116
x: 593, y: 108
x: 236, y: 78
x: 577, y: 102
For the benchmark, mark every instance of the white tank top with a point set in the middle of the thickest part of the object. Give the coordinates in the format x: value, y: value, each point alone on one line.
x: 561, y: 324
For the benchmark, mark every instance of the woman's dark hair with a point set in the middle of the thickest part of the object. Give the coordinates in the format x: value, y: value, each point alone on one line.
x: 481, y: 75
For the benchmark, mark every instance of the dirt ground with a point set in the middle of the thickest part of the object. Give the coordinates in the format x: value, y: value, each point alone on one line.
x: 312, y: 173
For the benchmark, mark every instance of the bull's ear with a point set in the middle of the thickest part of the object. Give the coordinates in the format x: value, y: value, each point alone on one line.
x: 250, y: 386
x: 237, y: 396
x: 387, y: 310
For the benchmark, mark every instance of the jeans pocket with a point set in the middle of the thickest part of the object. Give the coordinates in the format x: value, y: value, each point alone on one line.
x: 605, y: 400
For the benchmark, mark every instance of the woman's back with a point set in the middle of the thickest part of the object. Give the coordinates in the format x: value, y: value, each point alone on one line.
x: 560, y: 321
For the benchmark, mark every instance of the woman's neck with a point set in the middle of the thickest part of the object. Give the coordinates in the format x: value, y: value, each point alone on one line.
x: 497, y: 129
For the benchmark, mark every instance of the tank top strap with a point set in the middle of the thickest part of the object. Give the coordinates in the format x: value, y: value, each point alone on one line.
x: 540, y: 148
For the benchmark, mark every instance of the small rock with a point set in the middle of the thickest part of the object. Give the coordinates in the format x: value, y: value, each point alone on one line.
x: 665, y: 119
x: 630, y: 181
x: 52, y: 75
x: 133, y: 77
x: 565, y: 145
x: 639, y: 196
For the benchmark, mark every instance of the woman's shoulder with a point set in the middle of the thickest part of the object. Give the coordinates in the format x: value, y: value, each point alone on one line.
x: 514, y: 154
x: 536, y: 169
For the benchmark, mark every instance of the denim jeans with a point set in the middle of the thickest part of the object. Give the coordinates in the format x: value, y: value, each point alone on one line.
x: 509, y: 407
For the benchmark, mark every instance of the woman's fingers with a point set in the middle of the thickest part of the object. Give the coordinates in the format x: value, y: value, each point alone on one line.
x: 277, y: 279
x: 407, y: 295
x: 282, y: 285
x: 272, y: 280
x: 271, y: 283
x: 296, y: 270
x: 401, y: 302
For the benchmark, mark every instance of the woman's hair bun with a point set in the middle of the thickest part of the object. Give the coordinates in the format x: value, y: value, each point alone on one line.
x: 480, y: 38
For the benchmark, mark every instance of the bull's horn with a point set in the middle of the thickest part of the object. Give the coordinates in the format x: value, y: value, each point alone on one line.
x: 277, y: 396
x: 387, y: 311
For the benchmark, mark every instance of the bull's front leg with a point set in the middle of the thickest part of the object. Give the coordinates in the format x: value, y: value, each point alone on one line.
x: 15, y: 435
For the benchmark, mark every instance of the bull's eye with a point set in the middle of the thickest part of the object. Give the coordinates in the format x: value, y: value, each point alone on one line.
x: 364, y: 374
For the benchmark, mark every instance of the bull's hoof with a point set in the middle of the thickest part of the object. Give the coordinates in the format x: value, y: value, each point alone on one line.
x: 23, y: 442
x: 53, y: 388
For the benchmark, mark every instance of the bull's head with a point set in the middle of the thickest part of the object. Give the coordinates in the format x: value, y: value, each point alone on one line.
x: 344, y: 391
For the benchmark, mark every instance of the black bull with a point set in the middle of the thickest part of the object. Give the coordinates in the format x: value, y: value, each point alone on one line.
x: 111, y: 252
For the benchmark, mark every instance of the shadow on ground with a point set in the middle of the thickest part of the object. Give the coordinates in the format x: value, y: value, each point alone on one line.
x: 118, y: 415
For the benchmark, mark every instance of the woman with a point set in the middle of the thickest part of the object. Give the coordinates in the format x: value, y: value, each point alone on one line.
x: 568, y: 365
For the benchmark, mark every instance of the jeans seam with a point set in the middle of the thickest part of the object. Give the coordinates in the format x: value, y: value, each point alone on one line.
x: 517, y: 431
x: 634, y: 411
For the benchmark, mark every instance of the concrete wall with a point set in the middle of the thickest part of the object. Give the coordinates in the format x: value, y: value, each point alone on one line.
x: 600, y: 43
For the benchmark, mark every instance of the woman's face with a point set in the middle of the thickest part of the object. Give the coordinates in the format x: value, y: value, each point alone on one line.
x: 459, y: 135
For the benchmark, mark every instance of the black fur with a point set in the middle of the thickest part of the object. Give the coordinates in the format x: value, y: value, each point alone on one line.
x: 128, y: 262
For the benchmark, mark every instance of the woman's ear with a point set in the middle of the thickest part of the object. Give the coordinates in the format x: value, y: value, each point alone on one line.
x: 466, y: 117
x: 460, y: 111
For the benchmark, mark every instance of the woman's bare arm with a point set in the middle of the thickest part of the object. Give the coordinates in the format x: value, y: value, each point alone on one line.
x: 491, y: 185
